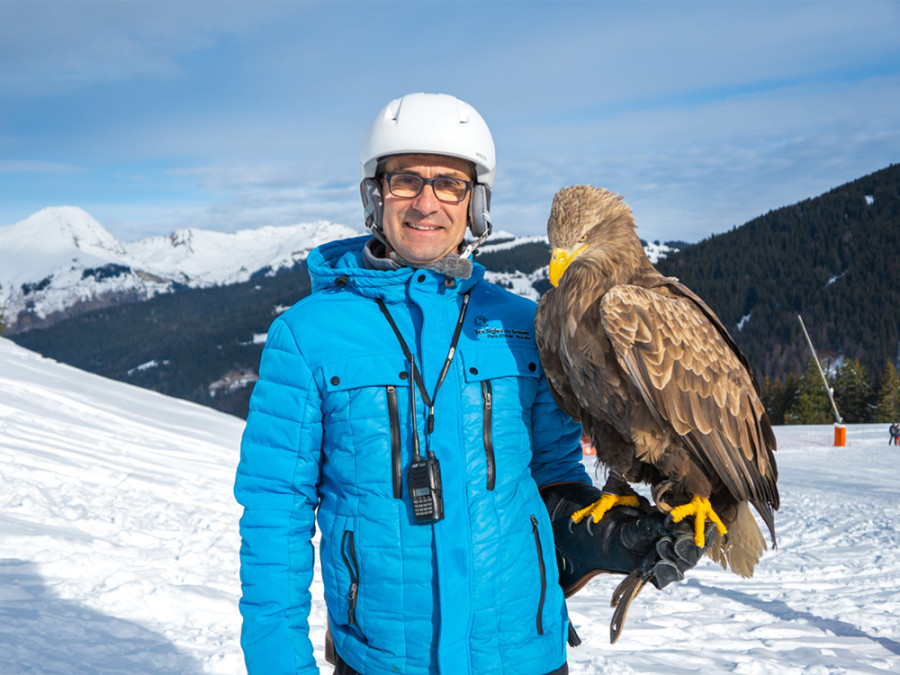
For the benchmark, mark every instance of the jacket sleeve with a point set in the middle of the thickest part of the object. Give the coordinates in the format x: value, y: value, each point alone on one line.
x: 276, y: 484
x: 556, y: 437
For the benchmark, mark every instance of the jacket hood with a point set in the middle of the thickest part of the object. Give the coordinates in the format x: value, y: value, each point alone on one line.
x: 340, y: 262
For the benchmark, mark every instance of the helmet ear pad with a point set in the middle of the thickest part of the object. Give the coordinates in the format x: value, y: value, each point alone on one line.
x: 480, y: 210
x: 373, y: 203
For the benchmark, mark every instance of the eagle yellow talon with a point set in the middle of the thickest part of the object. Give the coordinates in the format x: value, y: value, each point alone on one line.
x: 702, y: 510
x: 602, y: 505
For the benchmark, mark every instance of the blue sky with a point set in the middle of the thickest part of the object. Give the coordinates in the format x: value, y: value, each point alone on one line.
x: 155, y: 116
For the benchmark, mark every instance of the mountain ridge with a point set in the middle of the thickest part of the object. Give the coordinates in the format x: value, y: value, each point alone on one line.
x: 830, y: 258
x: 60, y: 262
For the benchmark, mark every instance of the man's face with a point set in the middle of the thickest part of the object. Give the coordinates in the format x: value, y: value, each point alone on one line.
x: 422, y: 229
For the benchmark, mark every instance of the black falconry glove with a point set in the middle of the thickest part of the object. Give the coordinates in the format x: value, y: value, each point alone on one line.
x: 626, y: 538
x: 638, y: 541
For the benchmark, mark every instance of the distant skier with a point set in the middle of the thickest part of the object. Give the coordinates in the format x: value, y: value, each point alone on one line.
x: 895, y: 434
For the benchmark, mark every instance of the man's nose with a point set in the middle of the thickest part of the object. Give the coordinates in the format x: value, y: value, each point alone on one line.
x: 426, y: 201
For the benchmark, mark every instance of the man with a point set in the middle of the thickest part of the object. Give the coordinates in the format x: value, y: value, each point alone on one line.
x: 402, y: 406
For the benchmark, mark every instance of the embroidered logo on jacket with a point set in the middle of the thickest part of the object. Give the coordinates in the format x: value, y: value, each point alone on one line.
x: 492, y: 329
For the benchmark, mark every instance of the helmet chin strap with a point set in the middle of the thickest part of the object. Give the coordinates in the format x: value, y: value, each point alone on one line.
x: 378, y: 233
x: 473, y: 245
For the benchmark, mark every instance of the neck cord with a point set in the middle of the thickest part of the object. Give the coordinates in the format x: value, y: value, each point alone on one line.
x: 417, y: 378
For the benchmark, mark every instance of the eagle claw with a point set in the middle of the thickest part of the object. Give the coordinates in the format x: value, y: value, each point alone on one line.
x: 702, y: 510
x: 599, y: 508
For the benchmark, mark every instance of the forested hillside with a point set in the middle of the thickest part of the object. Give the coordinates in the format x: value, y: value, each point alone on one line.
x: 834, y: 259
x: 195, y: 344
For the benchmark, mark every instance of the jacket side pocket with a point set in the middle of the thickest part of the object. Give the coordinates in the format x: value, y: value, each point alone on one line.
x: 543, y: 573
x: 394, y: 420
x: 486, y: 433
x: 348, y: 553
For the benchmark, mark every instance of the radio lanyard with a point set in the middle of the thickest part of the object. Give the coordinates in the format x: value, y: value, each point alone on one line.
x: 429, y: 401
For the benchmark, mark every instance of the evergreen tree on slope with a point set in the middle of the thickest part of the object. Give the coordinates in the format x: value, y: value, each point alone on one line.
x: 888, y: 408
x: 852, y: 392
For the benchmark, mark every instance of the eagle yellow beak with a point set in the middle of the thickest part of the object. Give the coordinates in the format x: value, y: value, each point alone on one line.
x: 560, y: 260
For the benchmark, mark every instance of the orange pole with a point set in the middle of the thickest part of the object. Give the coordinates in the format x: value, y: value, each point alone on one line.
x: 840, y: 435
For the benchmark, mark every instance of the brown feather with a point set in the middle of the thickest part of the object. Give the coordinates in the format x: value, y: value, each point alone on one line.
x: 653, y: 375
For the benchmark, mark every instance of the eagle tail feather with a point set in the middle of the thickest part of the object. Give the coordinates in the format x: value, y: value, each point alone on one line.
x: 744, y: 546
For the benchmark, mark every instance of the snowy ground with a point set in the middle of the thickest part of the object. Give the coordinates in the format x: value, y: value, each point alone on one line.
x: 118, y: 549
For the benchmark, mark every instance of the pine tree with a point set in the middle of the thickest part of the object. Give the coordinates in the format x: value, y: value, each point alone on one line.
x: 812, y: 405
x: 888, y: 407
x: 773, y: 398
x: 2, y: 322
x: 791, y: 390
x: 778, y: 397
x: 853, y: 393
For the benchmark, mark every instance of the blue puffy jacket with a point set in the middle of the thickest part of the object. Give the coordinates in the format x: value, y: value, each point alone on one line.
x: 330, y: 428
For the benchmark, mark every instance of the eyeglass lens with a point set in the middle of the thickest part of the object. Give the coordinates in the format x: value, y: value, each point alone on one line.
x: 407, y: 185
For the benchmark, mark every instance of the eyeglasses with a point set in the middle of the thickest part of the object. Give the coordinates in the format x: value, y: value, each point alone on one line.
x: 409, y: 185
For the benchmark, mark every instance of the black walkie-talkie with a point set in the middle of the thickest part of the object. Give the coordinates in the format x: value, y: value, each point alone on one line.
x: 424, y: 481
x: 424, y: 476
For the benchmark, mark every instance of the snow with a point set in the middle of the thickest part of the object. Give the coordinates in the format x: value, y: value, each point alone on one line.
x: 61, y: 257
x: 147, y: 366
x: 508, y: 241
x: 519, y: 283
x: 52, y: 259
x: 655, y: 250
x: 120, y: 549
x: 834, y: 278
x: 522, y: 283
x: 207, y: 258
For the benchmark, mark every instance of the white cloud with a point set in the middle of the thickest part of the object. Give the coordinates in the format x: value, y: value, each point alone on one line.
x: 703, y: 114
x: 49, y: 45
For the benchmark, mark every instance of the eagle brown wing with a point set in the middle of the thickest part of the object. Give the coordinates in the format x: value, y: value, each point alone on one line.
x: 692, y: 375
x: 547, y: 335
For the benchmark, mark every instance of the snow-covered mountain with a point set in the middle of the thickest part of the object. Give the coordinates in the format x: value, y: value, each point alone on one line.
x: 119, y: 543
x: 61, y: 261
x: 526, y: 282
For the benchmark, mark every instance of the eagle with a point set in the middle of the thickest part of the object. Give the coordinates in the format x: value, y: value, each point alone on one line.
x: 658, y: 384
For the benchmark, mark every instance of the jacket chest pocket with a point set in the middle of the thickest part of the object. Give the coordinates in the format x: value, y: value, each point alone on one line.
x: 365, y: 400
x: 502, y: 384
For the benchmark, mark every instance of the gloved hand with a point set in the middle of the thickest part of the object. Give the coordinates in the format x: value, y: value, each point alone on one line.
x: 627, y: 539
x: 675, y: 554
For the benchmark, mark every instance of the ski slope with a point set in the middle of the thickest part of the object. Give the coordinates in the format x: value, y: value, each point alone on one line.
x: 119, y: 549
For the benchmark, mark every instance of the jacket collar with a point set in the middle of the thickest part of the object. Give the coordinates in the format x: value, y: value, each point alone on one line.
x: 342, y: 263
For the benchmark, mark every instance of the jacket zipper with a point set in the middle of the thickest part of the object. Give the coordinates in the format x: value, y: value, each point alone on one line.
x: 540, y: 556
x: 486, y: 434
x: 353, y: 568
x: 394, y: 418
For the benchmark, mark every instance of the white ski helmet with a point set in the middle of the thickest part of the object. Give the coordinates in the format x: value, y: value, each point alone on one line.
x: 433, y: 124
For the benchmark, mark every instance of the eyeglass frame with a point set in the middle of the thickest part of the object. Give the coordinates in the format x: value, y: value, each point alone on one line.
x: 427, y: 181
